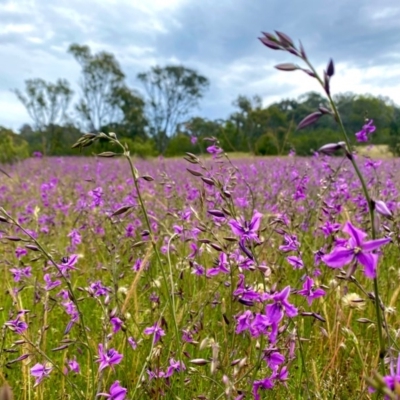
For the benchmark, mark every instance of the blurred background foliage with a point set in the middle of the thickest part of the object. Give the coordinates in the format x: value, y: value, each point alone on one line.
x: 161, y: 119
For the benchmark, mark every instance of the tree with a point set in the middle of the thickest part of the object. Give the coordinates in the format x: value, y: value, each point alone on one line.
x: 101, y: 80
x: 173, y: 91
x: 132, y: 122
x: 13, y: 147
x: 47, y: 104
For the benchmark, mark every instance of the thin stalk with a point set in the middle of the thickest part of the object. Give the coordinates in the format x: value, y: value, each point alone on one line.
x: 382, y: 348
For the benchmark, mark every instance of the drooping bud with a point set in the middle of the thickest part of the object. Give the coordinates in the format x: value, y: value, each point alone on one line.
x: 272, y: 45
x: 285, y: 39
x: 382, y: 208
x: 309, y: 120
x: 331, y: 148
x: 287, y: 67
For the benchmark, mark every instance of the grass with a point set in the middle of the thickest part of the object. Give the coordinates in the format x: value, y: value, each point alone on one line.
x: 327, y: 357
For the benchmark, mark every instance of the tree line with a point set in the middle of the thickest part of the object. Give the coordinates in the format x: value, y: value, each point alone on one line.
x: 157, y: 120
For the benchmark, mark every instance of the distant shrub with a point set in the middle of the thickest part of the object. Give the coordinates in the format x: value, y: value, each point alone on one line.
x: 13, y: 148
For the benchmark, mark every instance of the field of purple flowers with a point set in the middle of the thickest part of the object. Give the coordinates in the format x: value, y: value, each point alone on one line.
x: 261, y: 280
x: 202, y: 278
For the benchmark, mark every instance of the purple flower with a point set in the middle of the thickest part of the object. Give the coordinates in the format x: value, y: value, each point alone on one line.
x: 393, y: 380
x: 116, y: 324
x: 291, y: 243
x: 221, y: 267
x: 74, y: 366
x: 16, y: 325
x: 174, y: 366
x: 20, y: 273
x: 368, y: 128
x: 68, y: 264
x: 40, y: 371
x: 75, y: 238
x: 275, y: 311
x: 357, y: 249
x: 108, y: 358
x: 295, y: 262
x: 117, y: 392
x: 309, y: 292
x: 155, y: 330
x: 214, y: 150
x: 132, y: 343
x: 193, y: 139
x: 96, y: 195
x: 20, y: 252
x: 50, y: 285
x: 245, y: 229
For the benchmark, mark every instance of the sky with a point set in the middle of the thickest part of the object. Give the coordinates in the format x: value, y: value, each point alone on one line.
x: 219, y: 39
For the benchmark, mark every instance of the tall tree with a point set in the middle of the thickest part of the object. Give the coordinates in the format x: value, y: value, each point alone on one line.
x: 131, y: 122
x: 47, y: 104
x: 173, y: 91
x: 101, y: 78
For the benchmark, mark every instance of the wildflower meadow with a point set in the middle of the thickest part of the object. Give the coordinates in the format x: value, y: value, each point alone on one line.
x: 203, y: 277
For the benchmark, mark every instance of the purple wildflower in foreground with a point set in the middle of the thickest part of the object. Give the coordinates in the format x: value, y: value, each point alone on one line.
x: 117, y: 392
x: 357, y: 250
x: 108, y: 358
x: 214, y: 150
x: 368, y: 128
x: 156, y: 330
x: 309, y: 292
x: 40, y: 371
x: 17, y: 325
x: 392, y: 380
x: 245, y: 229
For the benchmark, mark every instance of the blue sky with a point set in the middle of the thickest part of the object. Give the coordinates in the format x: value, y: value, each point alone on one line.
x: 217, y: 38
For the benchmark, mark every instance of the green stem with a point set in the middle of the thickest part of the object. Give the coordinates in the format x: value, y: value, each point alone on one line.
x: 382, y: 348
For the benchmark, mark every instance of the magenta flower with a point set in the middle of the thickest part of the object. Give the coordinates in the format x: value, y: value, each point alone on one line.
x: 245, y: 229
x: 357, y: 249
x: 74, y: 366
x: 16, y: 325
x: 280, y: 306
x: 214, y: 150
x: 221, y: 267
x: 295, y: 262
x: 155, y: 330
x: 108, y: 358
x: 40, y: 371
x: 117, y: 392
x: 367, y: 129
x: 309, y: 292
x: 116, y: 323
x: 68, y: 264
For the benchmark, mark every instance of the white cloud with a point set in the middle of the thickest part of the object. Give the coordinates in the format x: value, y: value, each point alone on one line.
x: 216, y: 38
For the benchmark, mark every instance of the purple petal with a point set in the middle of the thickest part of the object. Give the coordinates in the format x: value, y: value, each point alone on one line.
x: 370, y: 261
x: 237, y: 229
x: 255, y: 221
x: 357, y: 234
x: 374, y: 244
x: 339, y: 257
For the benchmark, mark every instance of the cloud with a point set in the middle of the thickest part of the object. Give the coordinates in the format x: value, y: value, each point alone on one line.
x: 219, y: 39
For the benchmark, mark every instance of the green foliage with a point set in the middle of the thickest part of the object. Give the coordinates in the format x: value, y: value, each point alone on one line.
x: 179, y: 144
x: 140, y: 147
x: 13, y: 148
